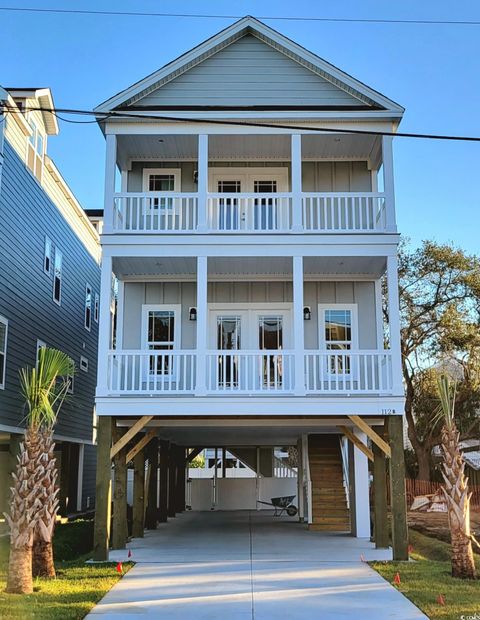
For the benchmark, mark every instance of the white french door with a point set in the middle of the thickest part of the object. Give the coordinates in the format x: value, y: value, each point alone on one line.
x: 249, y: 349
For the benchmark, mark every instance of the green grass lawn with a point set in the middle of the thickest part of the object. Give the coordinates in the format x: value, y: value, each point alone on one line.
x: 429, y: 576
x: 75, y: 591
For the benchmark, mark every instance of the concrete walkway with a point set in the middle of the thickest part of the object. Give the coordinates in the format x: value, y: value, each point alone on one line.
x: 249, y: 566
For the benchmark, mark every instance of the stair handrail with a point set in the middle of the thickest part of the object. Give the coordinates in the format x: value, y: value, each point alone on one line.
x: 346, y: 479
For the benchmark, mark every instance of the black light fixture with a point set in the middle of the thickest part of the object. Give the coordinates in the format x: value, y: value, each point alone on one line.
x: 192, y: 314
x: 307, y: 313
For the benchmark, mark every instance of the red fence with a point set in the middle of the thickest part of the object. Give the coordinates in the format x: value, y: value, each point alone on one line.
x: 426, y: 487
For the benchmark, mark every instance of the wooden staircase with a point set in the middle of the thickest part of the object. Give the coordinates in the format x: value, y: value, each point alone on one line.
x: 330, y: 510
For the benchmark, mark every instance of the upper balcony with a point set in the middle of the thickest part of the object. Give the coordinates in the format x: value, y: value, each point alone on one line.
x: 241, y: 184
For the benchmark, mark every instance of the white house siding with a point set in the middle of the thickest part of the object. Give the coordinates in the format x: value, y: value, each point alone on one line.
x: 317, y: 176
x: 249, y: 72
x: 138, y: 293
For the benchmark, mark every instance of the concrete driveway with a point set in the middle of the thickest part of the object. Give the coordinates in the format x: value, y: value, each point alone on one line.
x: 249, y: 566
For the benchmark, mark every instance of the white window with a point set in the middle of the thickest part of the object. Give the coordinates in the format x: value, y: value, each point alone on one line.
x: 88, y: 307
x: 83, y: 363
x: 40, y: 345
x: 161, y: 332
x: 35, y: 149
x: 47, y: 256
x: 57, y: 277
x: 96, y: 308
x: 338, y: 333
x: 164, y: 181
x: 3, y: 350
x: 69, y: 378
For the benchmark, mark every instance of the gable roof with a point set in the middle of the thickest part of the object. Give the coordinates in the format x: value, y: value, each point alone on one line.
x: 45, y: 102
x: 358, y: 92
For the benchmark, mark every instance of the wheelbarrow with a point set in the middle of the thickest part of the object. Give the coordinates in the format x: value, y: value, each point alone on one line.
x: 281, y: 505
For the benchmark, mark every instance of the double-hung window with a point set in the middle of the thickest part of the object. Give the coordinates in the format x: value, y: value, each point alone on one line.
x: 338, y: 334
x: 47, y: 256
x: 88, y: 307
x: 161, y: 181
x: 3, y: 350
x: 57, y: 277
x: 161, y: 334
x: 35, y: 150
x: 96, y: 308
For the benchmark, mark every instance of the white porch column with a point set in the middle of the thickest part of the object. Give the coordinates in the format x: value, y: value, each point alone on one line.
x: 298, y: 327
x: 104, y: 324
x: 379, y: 315
x: 202, y: 185
x: 361, y: 490
x: 296, y: 164
x: 202, y: 325
x: 110, y: 169
x: 300, y: 482
x: 388, y: 183
x: 394, y: 325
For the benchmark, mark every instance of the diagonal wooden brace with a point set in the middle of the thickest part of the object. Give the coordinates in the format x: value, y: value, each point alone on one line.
x: 373, y: 435
x: 131, y: 454
x: 357, y: 442
x: 193, y: 453
x: 130, y: 434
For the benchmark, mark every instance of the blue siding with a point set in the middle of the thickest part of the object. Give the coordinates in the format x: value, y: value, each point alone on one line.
x: 27, y: 215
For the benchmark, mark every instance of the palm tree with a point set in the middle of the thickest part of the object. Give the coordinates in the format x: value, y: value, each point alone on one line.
x: 34, y: 502
x: 455, y: 489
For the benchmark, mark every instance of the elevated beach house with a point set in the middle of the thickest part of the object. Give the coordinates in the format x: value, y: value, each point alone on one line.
x: 249, y: 220
x: 49, y: 291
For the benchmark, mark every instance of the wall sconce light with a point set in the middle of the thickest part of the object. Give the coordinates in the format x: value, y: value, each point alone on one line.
x: 195, y: 176
x: 307, y: 313
x: 192, y: 314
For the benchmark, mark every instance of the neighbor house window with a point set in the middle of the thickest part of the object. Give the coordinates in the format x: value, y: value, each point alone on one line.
x: 40, y: 345
x: 57, y: 277
x: 47, y: 256
x: 338, y: 333
x: 3, y: 350
x: 88, y: 307
x: 96, y: 308
x: 161, y: 333
x: 83, y: 363
x: 35, y: 150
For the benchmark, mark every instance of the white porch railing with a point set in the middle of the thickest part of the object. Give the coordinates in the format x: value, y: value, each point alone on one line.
x: 155, y: 212
x: 347, y: 372
x: 169, y: 212
x: 150, y: 372
x: 349, y: 212
x: 239, y: 213
x: 251, y: 372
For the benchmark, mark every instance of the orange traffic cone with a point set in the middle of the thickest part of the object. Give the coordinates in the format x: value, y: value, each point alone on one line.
x: 441, y: 599
x: 396, y: 579
x: 119, y: 567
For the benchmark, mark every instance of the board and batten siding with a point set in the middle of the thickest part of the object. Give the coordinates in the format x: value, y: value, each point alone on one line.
x: 27, y: 215
x: 136, y: 294
x: 317, y: 176
x: 249, y: 72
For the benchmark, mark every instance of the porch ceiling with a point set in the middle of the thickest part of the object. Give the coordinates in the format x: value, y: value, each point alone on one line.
x: 249, y: 267
x: 244, y: 147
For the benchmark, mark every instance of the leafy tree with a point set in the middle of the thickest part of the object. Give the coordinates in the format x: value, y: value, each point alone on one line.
x: 439, y: 287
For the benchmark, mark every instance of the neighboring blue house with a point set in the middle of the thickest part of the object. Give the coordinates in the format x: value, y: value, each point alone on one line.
x: 49, y: 290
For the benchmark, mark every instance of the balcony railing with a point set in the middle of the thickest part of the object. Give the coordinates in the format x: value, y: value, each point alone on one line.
x: 168, y: 372
x: 168, y: 212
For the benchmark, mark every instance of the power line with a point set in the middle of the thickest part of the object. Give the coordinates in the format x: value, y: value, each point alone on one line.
x: 420, y: 22
x: 135, y: 115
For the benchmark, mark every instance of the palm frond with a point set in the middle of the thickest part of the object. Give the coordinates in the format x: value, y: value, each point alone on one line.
x: 446, y: 394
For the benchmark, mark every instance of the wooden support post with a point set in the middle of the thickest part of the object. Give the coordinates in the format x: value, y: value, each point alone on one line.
x: 398, y: 501
x: 152, y: 510
x: 380, y: 498
x: 138, y: 495
x: 172, y: 481
x: 101, y: 532
x: 163, y: 499
x: 130, y: 434
x: 119, y: 524
x: 180, y: 481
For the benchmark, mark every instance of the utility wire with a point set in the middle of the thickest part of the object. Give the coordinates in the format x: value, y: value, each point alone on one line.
x: 421, y: 22
x: 126, y: 115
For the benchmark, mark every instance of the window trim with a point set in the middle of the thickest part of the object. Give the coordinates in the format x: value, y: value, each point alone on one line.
x: 321, y: 323
x: 87, y: 307
x: 83, y: 363
x: 48, y: 242
x: 3, y: 376
x: 96, y: 307
x: 59, y: 300
x: 177, y: 178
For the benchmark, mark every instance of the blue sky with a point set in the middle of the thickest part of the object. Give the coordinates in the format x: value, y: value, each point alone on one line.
x: 431, y: 70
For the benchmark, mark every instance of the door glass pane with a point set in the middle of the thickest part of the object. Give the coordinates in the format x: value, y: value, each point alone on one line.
x: 228, y: 339
x: 229, y: 208
x: 338, y: 337
x: 265, y: 215
x: 160, y: 337
x: 270, y: 338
